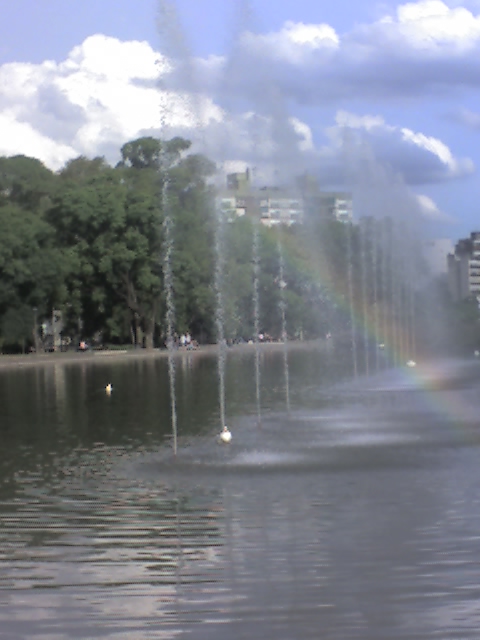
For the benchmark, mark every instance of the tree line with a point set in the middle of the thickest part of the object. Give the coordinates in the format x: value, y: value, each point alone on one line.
x: 89, y: 241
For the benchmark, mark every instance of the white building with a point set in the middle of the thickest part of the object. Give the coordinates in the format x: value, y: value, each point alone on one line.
x: 276, y: 205
x: 279, y: 207
x: 329, y: 205
x: 464, y: 268
x: 271, y: 205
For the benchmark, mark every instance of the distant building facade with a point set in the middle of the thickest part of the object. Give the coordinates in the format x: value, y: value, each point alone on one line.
x: 332, y: 205
x: 279, y: 207
x: 464, y: 268
x: 275, y: 205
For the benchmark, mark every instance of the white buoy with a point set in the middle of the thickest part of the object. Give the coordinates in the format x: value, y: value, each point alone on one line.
x: 476, y: 353
x: 108, y: 389
x: 411, y: 363
x: 225, y: 435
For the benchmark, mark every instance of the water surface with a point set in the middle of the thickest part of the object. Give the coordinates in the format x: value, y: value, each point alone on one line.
x: 354, y: 516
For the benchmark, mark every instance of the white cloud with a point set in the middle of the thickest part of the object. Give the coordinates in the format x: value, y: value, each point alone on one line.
x: 294, y: 41
x: 102, y: 95
x: 418, y: 157
x: 417, y: 50
x: 351, y: 120
x: 107, y: 92
x: 19, y: 138
x: 110, y: 59
x: 431, y: 25
x: 429, y: 209
x: 453, y: 167
x: 304, y: 132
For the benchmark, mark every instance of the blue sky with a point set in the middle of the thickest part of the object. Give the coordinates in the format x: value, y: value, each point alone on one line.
x: 365, y: 95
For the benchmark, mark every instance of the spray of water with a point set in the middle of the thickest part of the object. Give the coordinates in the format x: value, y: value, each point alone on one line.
x: 351, y: 299
x: 219, y: 310
x: 395, y: 213
x: 364, y: 275
x: 283, y: 317
x: 401, y: 299
x: 174, y: 46
x: 256, y: 314
x: 383, y: 240
x: 393, y: 296
x: 376, y: 313
x: 170, y: 303
x: 411, y: 297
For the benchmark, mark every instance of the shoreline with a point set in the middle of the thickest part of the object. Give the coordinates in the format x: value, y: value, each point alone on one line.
x: 28, y: 360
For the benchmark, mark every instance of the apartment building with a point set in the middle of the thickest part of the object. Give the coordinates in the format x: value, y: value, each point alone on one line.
x: 464, y: 268
x: 276, y: 205
x: 279, y: 207
x: 332, y: 205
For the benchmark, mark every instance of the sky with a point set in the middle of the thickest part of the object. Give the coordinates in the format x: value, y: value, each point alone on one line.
x: 382, y: 98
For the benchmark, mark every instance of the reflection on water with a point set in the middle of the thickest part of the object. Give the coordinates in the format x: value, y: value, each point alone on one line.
x: 357, y: 516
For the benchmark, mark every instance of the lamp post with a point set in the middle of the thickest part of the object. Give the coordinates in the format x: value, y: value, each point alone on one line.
x: 35, y: 331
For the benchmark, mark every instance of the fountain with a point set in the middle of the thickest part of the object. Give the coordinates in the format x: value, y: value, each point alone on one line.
x: 351, y: 301
x: 296, y: 528
x: 364, y: 275
x: 170, y: 313
x: 380, y: 302
x: 283, y: 306
x: 374, y: 250
x: 219, y: 309
x: 168, y: 246
x: 256, y: 314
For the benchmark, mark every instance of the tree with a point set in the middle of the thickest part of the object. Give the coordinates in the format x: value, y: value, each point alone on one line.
x: 26, y: 182
x: 81, y: 170
x: 152, y: 153
x: 190, y: 203
x: 89, y: 219
x: 28, y: 260
x: 17, y: 326
x: 109, y: 225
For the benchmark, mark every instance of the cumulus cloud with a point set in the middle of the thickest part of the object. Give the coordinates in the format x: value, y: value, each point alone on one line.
x: 92, y: 102
x: 107, y: 92
x: 419, y: 158
x: 294, y: 42
x: 20, y: 138
x: 423, y: 48
x: 429, y: 209
x: 236, y: 110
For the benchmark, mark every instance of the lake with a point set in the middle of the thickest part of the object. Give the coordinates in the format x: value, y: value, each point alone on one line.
x: 356, y: 515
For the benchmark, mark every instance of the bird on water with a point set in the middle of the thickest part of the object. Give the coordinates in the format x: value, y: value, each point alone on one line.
x: 225, y: 435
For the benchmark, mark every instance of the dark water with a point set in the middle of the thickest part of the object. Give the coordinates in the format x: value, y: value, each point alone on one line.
x: 356, y: 516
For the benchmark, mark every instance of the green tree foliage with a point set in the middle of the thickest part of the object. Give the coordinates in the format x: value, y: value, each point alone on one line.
x: 17, y: 326
x: 26, y: 182
x: 89, y: 217
x: 91, y: 242
x: 109, y: 225
x: 190, y: 203
x: 81, y: 170
x: 31, y: 266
